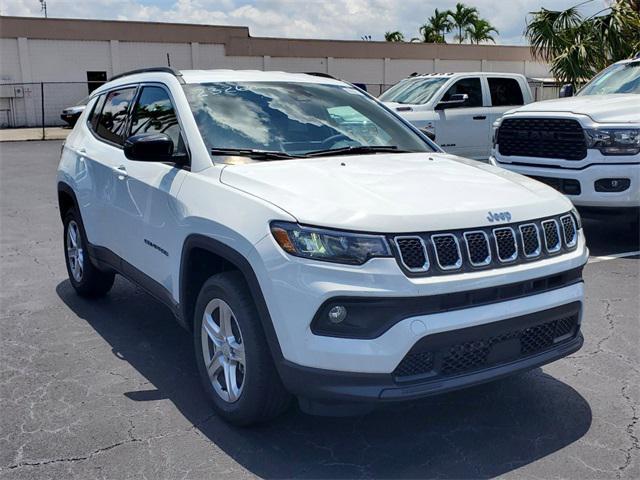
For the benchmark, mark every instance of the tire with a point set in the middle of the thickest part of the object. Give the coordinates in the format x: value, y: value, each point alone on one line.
x: 86, y: 278
x: 243, y: 357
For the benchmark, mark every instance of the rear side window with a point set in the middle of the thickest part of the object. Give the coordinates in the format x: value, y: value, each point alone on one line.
x: 505, y: 91
x: 112, y: 123
x: 469, y: 86
x: 95, y: 112
x: 154, y: 113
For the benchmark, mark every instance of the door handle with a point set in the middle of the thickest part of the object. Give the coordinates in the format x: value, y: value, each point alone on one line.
x: 121, y: 172
x: 480, y: 117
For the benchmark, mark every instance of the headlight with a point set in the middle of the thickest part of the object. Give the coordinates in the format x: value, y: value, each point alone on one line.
x: 614, y: 141
x: 329, y: 245
x: 577, y: 218
x: 494, y: 128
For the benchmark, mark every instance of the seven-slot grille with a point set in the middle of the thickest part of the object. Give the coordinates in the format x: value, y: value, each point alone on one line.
x: 542, y: 137
x: 456, y: 251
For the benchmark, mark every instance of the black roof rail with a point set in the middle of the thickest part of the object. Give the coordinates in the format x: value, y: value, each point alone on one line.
x: 170, y: 70
x: 321, y: 74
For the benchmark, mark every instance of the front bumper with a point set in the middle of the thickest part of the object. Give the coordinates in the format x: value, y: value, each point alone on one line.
x: 295, y: 289
x: 480, y: 354
x: 586, y: 175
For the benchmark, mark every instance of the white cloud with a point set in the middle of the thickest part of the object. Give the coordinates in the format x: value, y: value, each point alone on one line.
x: 339, y: 19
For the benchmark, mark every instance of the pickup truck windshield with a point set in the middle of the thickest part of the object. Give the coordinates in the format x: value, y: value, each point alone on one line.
x: 414, y: 91
x: 279, y: 120
x: 618, y: 78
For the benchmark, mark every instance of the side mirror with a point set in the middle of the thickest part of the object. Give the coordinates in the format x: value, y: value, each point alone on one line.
x: 566, y: 90
x: 456, y: 100
x: 149, y: 147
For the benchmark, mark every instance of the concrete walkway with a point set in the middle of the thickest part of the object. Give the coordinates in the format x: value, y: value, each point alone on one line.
x: 24, y: 134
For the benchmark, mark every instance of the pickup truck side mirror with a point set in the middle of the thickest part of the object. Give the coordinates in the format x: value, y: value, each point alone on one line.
x: 456, y: 100
x: 566, y: 90
x: 149, y: 147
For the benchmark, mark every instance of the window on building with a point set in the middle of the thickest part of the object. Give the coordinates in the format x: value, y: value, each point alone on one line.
x: 154, y: 113
x: 113, y: 119
x: 469, y: 86
x: 95, y: 79
x: 505, y: 91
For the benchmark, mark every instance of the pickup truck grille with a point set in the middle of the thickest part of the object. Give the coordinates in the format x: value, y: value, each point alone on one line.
x: 437, y: 253
x: 542, y: 137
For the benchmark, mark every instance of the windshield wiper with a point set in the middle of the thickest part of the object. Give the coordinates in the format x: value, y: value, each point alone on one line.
x: 253, y: 153
x: 357, y: 149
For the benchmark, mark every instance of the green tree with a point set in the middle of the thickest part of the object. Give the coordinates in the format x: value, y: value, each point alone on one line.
x: 394, y: 36
x: 440, y: 24
x: 480, y: 31
x: 461, y: 18
x: 578, y: 47
x: 427, y: 35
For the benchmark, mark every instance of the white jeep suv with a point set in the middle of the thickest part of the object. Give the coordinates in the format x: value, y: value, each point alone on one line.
x: 315, y: 243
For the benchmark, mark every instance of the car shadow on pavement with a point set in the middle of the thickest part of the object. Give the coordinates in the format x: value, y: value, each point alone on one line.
x: 483, y: 431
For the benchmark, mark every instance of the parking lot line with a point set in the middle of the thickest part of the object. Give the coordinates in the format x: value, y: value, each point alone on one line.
x: 613, y: 256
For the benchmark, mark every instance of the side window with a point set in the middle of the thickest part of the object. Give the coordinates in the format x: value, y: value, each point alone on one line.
x: 505, y: 91
x: 95, y: 112
x: 112, y: 123
x: 470, y: 86
x: 154, y: 113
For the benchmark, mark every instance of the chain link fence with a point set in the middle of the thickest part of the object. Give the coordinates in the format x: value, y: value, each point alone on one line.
x: 40, y: 104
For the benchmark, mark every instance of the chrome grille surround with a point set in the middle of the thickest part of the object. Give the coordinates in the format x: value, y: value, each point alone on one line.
x: 473, y: 249
x: 568, y: 223
x: 528, y: 227
x: 467, y: 241
x: 405, y: 238
x: 501, y: 235
x: 442, y: 249
x: 551, y: 231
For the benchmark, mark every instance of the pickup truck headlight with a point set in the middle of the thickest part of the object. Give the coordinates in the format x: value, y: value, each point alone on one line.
x: 614, y: 141
x: 329, y: 245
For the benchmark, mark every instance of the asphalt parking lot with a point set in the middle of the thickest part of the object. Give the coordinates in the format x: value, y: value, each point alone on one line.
x: 108, y: 389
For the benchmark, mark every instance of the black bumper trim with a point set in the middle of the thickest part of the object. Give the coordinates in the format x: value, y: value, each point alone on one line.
x: 342, y: 387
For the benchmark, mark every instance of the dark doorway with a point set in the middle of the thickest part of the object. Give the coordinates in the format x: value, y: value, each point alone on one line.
x: 95, y: 79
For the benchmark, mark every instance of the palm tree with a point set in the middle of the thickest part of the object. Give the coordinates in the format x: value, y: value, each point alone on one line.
x: 441, y: 24
x: 578, y: 47
x: 394, y: 36
x: 427, y: 35
x: 480, y: 31
x: 461, y: 18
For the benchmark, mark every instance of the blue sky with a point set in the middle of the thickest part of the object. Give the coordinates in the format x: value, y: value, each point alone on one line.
x: 340, y: 19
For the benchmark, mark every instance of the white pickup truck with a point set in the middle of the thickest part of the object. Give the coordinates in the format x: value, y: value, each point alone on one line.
x: 587, y: 146
x: 456, y: 110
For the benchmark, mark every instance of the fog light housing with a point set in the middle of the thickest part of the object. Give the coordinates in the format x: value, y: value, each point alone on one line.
x: 612, y: 184
x: 337, y: 314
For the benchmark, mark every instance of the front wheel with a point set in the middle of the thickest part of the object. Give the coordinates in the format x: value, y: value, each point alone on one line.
x: 85, y: 278
x: 234, y: 362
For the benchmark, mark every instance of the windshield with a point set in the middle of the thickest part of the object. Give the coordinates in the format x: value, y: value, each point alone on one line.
x: 618, y: 78
x: 413, y: 90
x: 294, y: 118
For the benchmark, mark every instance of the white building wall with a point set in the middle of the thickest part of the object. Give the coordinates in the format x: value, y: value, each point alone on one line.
x: 23, y: 60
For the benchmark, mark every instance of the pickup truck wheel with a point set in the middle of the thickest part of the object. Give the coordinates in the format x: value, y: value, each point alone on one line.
x: 85, y: 278
x: 234, y: 362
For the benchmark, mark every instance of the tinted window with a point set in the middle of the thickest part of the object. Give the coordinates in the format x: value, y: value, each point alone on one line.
x: 505, y: 91
x: 113, y: 119
x: 95, y: 113
x: 469, y: 86
x: 154, y: 113
x: 295, y: 118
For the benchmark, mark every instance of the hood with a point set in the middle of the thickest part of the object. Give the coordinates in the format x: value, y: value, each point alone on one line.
x: 394, y: 193
x: 615, y: 108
